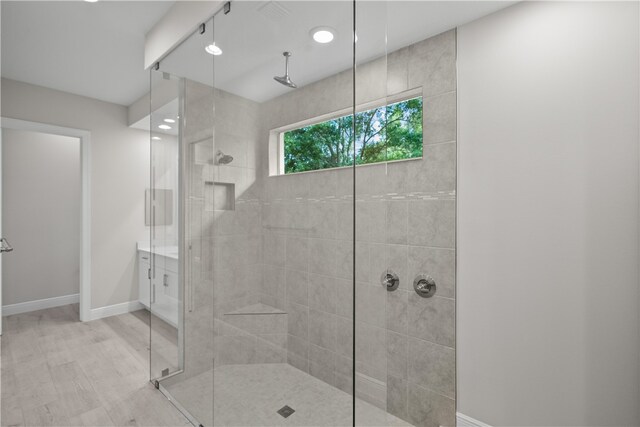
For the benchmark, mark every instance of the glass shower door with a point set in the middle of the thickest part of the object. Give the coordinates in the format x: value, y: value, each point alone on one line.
x: 182, y: 114
x: 283, y: 344
x: 161, y: 264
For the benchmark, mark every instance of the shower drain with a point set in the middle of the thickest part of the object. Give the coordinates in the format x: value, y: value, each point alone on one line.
x: 285, y: 411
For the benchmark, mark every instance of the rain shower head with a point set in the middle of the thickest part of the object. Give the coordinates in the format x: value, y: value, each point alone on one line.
x: 285, y: 80
x: 224, y: 159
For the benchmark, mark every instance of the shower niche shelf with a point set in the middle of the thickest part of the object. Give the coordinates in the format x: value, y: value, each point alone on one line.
x: 224, y: 195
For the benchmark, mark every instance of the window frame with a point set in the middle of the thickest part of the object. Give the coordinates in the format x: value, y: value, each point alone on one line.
x: 276, y: 136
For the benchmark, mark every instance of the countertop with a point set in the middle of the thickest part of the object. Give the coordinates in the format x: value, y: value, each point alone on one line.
x: 165, y: 251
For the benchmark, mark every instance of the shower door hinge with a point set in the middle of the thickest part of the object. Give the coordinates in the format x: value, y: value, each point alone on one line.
x: 203, y: 28
x: 156, y: 66
x: 156, y: 383
x: 149, y: 273
x: 227, y: 7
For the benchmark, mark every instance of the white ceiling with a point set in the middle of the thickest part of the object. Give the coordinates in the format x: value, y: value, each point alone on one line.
x: 96, y: 49
x: 89, y: 49
x: 255, y: 33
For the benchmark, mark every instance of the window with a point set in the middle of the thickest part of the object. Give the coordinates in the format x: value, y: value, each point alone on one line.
x: 388, y: 132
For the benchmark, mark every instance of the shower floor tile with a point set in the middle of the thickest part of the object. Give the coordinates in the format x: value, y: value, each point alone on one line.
x: 251, y: 395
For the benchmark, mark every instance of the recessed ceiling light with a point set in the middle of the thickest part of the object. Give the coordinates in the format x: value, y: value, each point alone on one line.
x: 169, y: 121
x: 156, y: 138
x: 212, y: 49
x: 164, y: 127
x: 323, y: 34
x: 91, y: 1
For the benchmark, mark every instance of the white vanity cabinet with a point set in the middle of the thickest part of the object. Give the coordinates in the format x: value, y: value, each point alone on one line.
x: 161, y: 293
x: 144, y: 266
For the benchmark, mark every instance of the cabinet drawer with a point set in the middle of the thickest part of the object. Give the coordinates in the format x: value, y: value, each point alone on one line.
x: 161, y: 262
x: 144, y: 257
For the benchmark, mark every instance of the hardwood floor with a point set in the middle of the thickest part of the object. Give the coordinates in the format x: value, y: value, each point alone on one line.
x: 57, y: 371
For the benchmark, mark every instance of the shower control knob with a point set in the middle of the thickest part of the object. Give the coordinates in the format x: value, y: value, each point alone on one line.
x: 390, y: 280
x: 424, y: 286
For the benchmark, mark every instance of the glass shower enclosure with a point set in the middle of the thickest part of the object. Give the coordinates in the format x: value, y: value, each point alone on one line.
x: 302, y: 211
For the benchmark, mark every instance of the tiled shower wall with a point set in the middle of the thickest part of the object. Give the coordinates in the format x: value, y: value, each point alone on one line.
x: 240, y: 339
x: 198, y: 308
x: 223, y: 266
x: 405, y: 221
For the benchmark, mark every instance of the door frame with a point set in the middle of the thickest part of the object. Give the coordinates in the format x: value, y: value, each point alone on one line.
x: 85, y: 201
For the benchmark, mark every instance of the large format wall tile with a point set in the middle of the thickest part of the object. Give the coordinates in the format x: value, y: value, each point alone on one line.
x: 298, y: 317
x: 397, y: 399
x: 297, y: 253
x: 297, y: 286
x: 298, y: 352
x: 322, y: 256
x: 344, y: 303
x: 397, y: 355
x: 396, y: 221
x: 437, y: 171
x: 432, y: 64
x: 432, y: 366
x: 322, y: 293
x: 440, y: 118
x: 429, y: 409
x: 432, y: 319
x: 437, y: 263
x: 322, y: 329
x: 396, y: 311
x: 344, y: 330
x: 432, y: 223
x: 322, y: 220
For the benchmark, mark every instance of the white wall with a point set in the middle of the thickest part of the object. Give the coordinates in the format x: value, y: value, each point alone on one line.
x: 41, y: 215
x: 119, y: 176
x: 548, y: 326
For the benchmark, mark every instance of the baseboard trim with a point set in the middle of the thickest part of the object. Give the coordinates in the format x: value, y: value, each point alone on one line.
x: 463, y: 420
x: 115, y: 309
x: 40, y: 304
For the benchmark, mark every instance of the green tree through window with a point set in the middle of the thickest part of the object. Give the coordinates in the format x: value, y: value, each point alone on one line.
x: 391, y: 132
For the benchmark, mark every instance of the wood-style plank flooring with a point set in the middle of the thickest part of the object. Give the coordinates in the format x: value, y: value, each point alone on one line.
x: 57, y: 371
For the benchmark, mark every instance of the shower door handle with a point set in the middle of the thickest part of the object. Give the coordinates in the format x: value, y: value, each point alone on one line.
x: 188, y: 280
x: 4, y: 245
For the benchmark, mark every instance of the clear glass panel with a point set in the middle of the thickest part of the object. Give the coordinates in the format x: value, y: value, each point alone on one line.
x: 283, y: 273
x: 405, y: 214
x: 183, y: 91
x: 370, y: 207
x: 160, y: 262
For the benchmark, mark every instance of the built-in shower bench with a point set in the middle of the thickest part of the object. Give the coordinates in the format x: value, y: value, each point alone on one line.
x: 258, y: 319
x: 256, y: 333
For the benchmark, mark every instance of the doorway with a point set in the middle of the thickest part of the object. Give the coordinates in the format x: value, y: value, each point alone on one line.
x: 45, y: 217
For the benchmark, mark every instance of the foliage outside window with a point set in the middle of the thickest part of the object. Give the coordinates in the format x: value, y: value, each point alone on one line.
x: 389, y: 132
